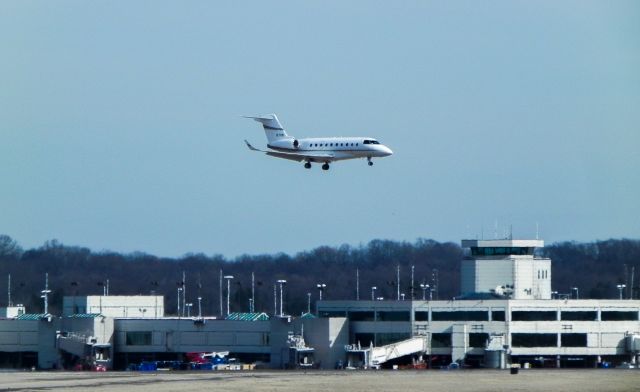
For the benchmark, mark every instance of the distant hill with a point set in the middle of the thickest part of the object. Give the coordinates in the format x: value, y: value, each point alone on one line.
x: 595, y: 268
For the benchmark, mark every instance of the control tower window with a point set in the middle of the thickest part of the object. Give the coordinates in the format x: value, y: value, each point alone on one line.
x: 501, y: 251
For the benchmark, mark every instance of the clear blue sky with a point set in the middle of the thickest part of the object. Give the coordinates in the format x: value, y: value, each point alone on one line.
x: 120, y: 122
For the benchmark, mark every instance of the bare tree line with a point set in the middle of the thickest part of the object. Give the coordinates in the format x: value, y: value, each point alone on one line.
x: 593, y: 267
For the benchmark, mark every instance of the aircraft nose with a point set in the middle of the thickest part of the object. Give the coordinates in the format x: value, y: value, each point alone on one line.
x: 387, y: 151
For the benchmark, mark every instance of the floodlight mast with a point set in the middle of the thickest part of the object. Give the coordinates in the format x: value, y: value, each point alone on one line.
x: 282, y: 282
x: 228, y: 278
x: 45, y: 293
x: 620, y: 288
x: 321, y: 287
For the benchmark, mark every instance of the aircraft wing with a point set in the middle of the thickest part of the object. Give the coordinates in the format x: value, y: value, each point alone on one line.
x: 295, y: 156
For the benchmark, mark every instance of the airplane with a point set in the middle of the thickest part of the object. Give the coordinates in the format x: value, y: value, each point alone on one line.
x: 317, y: 150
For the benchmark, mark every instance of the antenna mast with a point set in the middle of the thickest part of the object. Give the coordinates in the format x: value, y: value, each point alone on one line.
x: 357, y: 284
x: 221, y: 309
x: 253, y: 293
x: 9, y: 292
x: 398, y: 282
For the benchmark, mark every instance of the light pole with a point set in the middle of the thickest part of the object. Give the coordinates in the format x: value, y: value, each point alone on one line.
x: 253, y: 293
x: 413, y: 267
x: 554, y: 295
x: 402, y: 296
x: 199, y: 307
x: 620, y: 288
x: 373, y: 293
x: 321, y: 287
x: 179, y: 291
x: 424, y: 288
x: 309, y: 303
x: 188, y: 305
x: 45, y: 293
x: 282, y: 282
x: 577, y: 292
x: 228, y: 278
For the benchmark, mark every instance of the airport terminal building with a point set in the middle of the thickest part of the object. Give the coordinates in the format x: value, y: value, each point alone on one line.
x: 505, y: 314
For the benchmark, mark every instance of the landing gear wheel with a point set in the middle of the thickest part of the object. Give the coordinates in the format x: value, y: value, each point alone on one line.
x: 370, y: 161
x: 307, y: 165
x: 325, y: 166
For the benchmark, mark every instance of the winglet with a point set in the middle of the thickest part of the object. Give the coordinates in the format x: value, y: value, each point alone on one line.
x: 252, y: 148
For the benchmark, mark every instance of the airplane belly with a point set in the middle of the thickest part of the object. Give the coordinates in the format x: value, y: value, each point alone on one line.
x: 342, y: 155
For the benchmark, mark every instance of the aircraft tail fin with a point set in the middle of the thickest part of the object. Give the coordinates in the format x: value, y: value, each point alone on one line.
x: 272, y: 127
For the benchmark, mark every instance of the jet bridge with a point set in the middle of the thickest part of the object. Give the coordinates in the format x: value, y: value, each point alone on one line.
x: 374, y: 357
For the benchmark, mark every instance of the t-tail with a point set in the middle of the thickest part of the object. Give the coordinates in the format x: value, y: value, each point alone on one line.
x: 272, y: 127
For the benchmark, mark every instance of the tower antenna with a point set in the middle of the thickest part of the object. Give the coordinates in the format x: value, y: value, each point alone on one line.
x: 9, y: 292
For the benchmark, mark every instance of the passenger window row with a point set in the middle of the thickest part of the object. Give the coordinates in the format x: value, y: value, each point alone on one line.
x: 331, y: 144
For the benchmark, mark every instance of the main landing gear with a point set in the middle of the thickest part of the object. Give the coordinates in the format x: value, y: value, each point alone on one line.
x: 370, y: 161
x: 325, y: 166
x: 307, y: 165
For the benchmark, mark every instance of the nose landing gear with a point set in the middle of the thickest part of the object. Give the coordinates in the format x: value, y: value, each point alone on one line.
x: 370, y: 161
x: 307, y: 165
x: 325, y: 166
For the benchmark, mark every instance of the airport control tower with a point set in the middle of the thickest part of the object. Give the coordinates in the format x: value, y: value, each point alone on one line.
x: 505, y: 268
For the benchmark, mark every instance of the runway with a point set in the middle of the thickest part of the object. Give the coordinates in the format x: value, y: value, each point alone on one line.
x: 581, y: 380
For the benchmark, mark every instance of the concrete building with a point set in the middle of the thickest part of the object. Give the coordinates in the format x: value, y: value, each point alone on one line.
x: 506, y: 306
x: 505, y: 314
x: 556, y: 332
x: 11, y: 311
x: 506, y: 268
x: 29, y: 340
x: 115, y: 305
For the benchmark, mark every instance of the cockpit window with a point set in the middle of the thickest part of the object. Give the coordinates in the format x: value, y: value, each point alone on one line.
x: 367, y: 141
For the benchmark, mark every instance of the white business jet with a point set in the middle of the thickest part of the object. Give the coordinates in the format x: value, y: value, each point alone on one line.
x: 317, y: 150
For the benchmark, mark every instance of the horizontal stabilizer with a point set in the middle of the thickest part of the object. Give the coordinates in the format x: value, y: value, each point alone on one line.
x: 252, y: 148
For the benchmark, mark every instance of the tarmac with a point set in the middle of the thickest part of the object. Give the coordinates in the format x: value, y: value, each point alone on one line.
x: 582, y: 380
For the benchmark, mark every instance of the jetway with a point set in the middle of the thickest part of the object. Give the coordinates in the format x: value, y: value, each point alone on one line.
x: 87, y: 349
x: 374, y: 357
